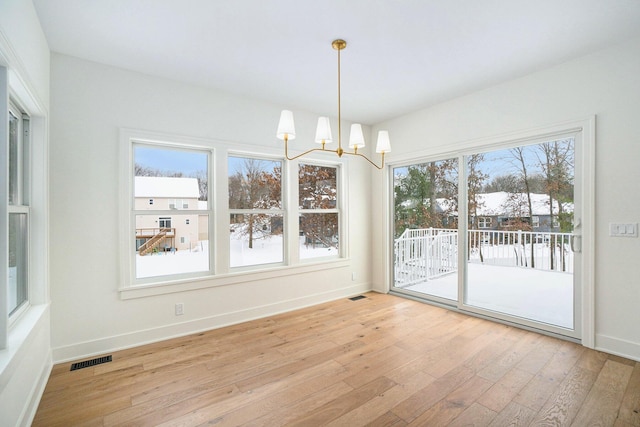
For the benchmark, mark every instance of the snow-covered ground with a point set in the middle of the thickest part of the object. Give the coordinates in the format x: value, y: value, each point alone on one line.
x: 542, y: 296
x: 264, y: 251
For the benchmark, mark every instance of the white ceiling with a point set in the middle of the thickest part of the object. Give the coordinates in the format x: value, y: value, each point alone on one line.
x: 401, y: 55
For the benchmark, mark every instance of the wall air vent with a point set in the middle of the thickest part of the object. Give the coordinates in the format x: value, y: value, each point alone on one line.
x: 92, y: 362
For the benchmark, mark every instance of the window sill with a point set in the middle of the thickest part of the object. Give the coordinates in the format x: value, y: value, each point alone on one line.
x: 20, y: 336
x: 190, y: 284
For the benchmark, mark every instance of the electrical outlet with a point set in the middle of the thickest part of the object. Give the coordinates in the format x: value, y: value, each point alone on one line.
x: 353, y: 276
x: 179, y: 309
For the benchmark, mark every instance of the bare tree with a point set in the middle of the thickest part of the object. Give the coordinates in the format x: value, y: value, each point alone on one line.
x: 251, y: 188
x: 556, y: 159
x: 518, y: 155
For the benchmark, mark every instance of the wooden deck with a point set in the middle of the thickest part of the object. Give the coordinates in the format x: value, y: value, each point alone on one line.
x: 379, y: 361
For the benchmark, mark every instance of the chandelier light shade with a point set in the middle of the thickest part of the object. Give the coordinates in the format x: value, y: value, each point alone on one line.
x: 287, y: 132
x: 286, y: 127
x: 356, y: 138
x: 323, y: 131
x: 383, y: 145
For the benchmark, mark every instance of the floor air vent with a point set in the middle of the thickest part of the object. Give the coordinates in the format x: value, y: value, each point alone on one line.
x: 357, y: 298
x: 92, y: 362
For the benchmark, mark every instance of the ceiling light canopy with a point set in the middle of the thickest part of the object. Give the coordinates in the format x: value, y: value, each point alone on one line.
x: 287, y: 131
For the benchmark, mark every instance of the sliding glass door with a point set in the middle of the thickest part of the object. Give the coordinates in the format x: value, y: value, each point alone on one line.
x: 520, y: 212
x: 426, y: 228
x: 492, y: 232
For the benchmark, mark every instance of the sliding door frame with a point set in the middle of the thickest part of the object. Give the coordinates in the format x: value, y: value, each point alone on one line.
x: 583, y: 131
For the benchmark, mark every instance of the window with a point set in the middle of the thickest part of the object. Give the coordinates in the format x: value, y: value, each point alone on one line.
x: 177, y: 224
x: 535, y: 221
x: 18, y: 210
x: 164, y: 222
x: 318, y: 208
x: 484, y: 222
x: 169, y: 244
x: 256, y: 221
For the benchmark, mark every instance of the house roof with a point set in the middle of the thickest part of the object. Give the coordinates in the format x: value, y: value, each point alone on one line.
x: 160, y: 186
x: 515, y: 204
x: 510, y: 204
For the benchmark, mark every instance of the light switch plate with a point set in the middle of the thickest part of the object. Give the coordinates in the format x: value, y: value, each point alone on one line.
x: 627, y: 229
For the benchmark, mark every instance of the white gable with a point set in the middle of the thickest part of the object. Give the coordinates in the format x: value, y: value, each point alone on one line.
x: 160, y: 186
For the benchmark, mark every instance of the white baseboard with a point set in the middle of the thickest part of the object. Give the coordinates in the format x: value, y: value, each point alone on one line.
x: 137, y: 338
x: 617, y: 346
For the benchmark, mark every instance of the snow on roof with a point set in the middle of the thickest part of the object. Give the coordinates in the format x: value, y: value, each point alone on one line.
x: 161, y: 186
x: 510, y: 204
x: 515, y: 204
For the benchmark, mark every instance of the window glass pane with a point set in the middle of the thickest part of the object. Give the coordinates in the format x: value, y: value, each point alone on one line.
x: 171, y: 244
x: 256, y: 238
x: 255, y: 183
x: 14, y: 148
x: 17, y: 261
x: 425, y: 223
x: 167, y: 178
x: 255, y: 187
x: 319, y: 235
x: 529, y: 191
x: 317, y: 187
x: 318, y: 190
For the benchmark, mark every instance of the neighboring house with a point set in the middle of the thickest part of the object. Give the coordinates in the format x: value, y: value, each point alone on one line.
x: 180, y: 227
x: 503, y: 211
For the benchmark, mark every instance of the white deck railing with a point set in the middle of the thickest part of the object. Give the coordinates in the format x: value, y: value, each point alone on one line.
x: 424, y: 254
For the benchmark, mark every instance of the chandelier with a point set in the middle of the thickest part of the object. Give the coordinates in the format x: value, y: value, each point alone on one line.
x: 287, y: 131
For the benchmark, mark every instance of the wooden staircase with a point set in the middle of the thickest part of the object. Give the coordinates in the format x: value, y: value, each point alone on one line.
x: 151, y: 244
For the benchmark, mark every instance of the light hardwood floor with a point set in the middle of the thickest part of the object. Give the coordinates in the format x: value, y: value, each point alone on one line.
x: 379, y: 361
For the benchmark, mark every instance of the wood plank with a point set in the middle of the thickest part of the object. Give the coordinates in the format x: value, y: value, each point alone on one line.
x: 475, y: 415
x: 514, y: 415
x: 334, y: 409
x: 456, y: 402
x: 630, y: 407
x: 563, y: 405
x: 421, y: 401
x: 603, y: 401
x: 503, y: 392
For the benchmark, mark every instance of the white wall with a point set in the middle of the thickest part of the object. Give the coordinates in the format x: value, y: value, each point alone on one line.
x: 25, y: 363
x: 90, y: 103
x: 605, y: 84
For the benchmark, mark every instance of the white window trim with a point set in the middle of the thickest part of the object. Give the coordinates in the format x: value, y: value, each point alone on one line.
x: 485, y: 222
x: 13, y: 331
x: 127, y: 204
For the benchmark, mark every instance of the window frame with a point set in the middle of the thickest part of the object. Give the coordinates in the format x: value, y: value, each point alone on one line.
x: 20, y: 205
x: 282, y: 211
x: 129, y: 140
x: 337, y: 209
x: 220, y: 272
x: 485, y: 222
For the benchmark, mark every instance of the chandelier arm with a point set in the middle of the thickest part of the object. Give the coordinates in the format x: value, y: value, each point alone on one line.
x: 286, y: 151
x: 367, y: 159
